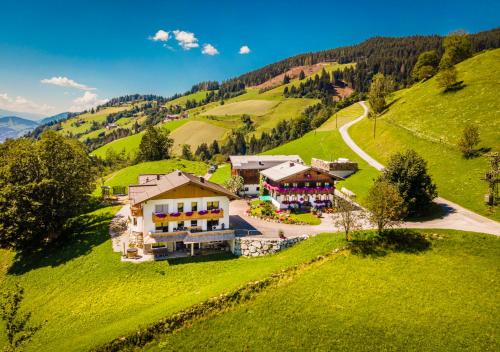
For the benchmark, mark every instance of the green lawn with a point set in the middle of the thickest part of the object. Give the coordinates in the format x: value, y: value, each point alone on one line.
x: 250, y: 107
x: 329, y: 145
x: 411, y: 298
x: 129, y: 175
x: 429, y: 121
x: 306, y: 218
x: 195, y: 133
x: 88, y: 297
x: 130, y: 144
x: 222, y: 174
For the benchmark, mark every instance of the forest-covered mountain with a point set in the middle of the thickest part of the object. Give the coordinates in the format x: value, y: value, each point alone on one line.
x: 391, y: 56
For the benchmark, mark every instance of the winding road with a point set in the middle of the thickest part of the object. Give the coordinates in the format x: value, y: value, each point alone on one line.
x: 456, y: 217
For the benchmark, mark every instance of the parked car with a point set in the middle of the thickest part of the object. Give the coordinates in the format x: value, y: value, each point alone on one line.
x: 212, y: 169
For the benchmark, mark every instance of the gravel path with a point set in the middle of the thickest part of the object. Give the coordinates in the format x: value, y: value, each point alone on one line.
x: 456, y: 217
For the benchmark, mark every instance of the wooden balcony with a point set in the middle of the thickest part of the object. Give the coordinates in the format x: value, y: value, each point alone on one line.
x: 167, y: 234
x: 213, y: 232
x: 194, y: 215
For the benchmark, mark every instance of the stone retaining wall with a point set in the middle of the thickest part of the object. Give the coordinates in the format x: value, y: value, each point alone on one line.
x: 255, y: 247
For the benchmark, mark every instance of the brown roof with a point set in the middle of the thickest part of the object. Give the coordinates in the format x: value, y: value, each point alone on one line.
x: 142, y: 192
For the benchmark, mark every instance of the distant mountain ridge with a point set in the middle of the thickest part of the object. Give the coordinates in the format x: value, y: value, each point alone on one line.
x: 12, y: 126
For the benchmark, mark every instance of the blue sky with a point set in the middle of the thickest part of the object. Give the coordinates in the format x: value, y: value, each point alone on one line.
x: 88, y: 51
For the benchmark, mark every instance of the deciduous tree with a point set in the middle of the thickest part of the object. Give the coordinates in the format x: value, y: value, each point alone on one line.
x: 469, y: 140
x: 386, y: 207
x: 234, y: 184
x: 447, y: 78
x: 155, y: 145
x: 407, y: 171
x: 457, y: 48
x: 380, y: 88
x: 426, y: 66
x: 348, y: 217
x: 42, y: 185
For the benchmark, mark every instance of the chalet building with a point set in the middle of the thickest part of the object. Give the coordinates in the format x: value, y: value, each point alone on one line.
x: 296, y: 185
x: 180, y: 212
x: 341, y: 167
x: 249, y: 167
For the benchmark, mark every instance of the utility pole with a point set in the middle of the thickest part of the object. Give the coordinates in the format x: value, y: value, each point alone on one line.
x: 374, y: 126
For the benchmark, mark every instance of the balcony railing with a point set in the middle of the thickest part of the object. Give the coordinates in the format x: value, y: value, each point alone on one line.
x: 300, y: 190
x: 189, y: 215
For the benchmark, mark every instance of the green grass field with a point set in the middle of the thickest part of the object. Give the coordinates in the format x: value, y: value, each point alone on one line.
x: 88, y: 297
x: 182, y: 100
x: 429, y: 121
x: 250, y: 107
x: 329, y: 145
x: 432, y: 295
x: 222, y: 174
x: 194, y: 133
x: 130, y: 144
x: 129, y: 175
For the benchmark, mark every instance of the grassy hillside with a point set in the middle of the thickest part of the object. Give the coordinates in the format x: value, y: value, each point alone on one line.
x: 128, y: 175
x: 87, y: 296
x: 250, y: 107
x: 430, y: 121
x: 212, y: 121
x: 432, y: 295
x: 326, y: 143
x: 194, y: 133
x: 130, y: 144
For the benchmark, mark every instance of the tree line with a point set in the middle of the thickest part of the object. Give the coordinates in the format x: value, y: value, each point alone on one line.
x: 390, y: 56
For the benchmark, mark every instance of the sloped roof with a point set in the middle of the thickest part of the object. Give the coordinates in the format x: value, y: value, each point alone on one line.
x: 260, y: 162
x: 142, y: 192
x: 287, y: 169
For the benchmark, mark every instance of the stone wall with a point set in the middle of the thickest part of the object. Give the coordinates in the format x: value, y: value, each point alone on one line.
x: 255, y: 247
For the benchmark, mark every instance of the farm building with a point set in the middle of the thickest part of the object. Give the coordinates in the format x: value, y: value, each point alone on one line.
x: 179, y: 212
x: 292, y: 184
x: 249, y: 167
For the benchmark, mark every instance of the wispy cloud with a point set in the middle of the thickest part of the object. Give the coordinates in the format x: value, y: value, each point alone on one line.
x: 161, y: 36
x: 65, y: 82
x: 186, y: 40
x: 21, y: 104
x: 209, y: 49
x: 87, y: 101
x: 244, y: 50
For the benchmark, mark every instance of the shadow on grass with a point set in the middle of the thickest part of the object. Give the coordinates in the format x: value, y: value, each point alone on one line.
x: 80, y: 236
x: 455, y: 87
x: 400, y: 240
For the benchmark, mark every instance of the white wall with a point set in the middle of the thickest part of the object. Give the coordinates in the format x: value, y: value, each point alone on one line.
x: 252, y: 189
x: 148, y: 225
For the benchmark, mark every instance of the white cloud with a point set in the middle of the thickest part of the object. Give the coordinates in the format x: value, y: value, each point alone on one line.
x: 160, y: 36
x: 186, y: 40
x: 21, y: 104
x: 87, y: 101
x: 65, y: 82
x: 244, y: 50
x: 209, y: 49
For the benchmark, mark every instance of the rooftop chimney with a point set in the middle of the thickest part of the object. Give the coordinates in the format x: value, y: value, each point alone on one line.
x: 202, y: 179
x: 292, y: 164
x: 179, y: 173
